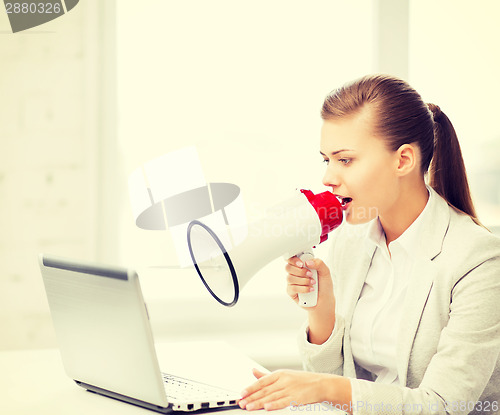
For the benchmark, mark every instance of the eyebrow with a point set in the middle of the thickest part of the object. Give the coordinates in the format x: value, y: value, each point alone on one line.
x: 333, y: 153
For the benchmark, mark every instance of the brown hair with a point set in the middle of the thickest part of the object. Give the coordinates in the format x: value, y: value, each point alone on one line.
x: 401, y: 117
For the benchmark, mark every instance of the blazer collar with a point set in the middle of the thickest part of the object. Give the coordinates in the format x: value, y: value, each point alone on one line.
x: 435, y: 227
x: 432, y: 230
x: 432, y: 233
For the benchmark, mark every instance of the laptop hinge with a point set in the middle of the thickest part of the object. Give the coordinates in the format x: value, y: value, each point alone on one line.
x: 128, y: 399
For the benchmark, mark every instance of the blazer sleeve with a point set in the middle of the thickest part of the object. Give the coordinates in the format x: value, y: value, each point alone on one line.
x: 326, y: 357
x: 466, y: 360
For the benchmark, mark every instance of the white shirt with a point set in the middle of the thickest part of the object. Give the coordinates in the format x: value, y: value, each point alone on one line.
x: 378, y: 312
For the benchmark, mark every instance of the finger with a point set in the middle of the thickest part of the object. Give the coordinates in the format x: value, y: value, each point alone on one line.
x: 277, y: 404
x: 294, y: 280
x: 293, y: 290
x: 292, y: 294
x: 298, y: 272
x: 257, y: 373
x: 295, y: 270
x: 295, y: 261
x: 266, y: 398
x: 318, y: 265
x: 264, y: 381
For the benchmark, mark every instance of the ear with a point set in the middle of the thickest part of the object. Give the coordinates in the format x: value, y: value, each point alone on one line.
x: 406, y: 159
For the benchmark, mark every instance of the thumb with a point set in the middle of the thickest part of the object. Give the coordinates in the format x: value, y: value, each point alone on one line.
x: 257, y: 373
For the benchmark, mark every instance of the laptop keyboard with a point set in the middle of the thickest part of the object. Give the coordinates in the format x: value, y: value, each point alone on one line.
x: 188, y: 390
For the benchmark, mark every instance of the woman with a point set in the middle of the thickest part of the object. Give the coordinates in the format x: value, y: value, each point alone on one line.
x: 408, y: 315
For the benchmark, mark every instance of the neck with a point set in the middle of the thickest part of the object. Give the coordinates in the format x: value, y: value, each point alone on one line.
x: 407, y: 207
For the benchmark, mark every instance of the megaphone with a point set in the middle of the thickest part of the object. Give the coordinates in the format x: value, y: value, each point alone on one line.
x: 291, y: 228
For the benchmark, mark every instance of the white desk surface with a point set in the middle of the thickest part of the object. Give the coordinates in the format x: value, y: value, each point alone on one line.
x: 34, y: 382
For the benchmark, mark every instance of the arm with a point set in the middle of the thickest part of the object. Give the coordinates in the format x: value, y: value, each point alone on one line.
x: 320, y: 341
x: 466, y: 359
x: 294, y: 388
x: 320, y: 345
x: 321, y: 317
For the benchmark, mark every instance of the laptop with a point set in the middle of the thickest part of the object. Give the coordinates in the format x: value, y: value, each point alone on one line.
x: 106, y: 343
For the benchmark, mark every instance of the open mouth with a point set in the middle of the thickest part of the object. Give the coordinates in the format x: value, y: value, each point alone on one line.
x: 344, y: 200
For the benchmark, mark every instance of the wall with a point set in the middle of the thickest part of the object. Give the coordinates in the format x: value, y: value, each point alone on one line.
x: 453, y: 63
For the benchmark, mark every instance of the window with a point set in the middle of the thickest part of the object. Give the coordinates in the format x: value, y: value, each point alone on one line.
x: 454, y: 57
x: 243, y: 82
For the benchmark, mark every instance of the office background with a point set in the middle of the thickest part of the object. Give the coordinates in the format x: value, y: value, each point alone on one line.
x: 90, y: 96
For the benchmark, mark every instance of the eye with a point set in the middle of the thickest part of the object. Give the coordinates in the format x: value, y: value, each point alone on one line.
x: 326, y: 161
x: 345, y: 161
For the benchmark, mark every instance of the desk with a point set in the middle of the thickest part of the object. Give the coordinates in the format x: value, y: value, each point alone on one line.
x: 34, y: 382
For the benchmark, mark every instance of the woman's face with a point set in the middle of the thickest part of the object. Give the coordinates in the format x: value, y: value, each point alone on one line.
x: 359, y: 167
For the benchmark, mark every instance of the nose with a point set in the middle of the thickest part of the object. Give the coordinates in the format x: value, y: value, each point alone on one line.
x: 331, y: 177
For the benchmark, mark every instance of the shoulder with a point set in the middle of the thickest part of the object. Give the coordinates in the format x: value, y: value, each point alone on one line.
x: 453, y: 235
x: 469, y: 242
x: 469, y: 256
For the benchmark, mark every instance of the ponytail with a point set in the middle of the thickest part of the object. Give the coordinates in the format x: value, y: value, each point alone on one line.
x: 447, y: 175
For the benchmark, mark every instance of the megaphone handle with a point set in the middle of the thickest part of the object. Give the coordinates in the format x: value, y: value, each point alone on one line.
x: 309, y: 299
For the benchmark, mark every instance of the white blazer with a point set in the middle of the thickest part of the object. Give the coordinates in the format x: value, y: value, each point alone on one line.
x: 448, y: 347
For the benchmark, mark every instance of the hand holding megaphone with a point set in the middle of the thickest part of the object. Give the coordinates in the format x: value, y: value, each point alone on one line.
x: 290, y: 229
x: 309, y: 299
x: 299, y: 280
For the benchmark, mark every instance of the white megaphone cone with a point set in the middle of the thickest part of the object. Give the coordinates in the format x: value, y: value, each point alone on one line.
x: 291, y: 228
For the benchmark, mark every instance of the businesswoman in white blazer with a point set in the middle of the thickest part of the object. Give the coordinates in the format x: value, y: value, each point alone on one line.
x: 408, y: 312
